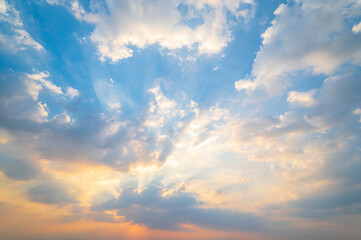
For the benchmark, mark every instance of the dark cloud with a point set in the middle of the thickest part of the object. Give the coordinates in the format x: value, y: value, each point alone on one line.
x: 338, y: 98
x: 51, y: 193
x: 151, y: 209
x: 18, y: 109
x: 18, y: 169
x: 329, y: 200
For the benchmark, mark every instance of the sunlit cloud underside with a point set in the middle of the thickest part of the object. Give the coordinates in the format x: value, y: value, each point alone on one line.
x: 180, y: 119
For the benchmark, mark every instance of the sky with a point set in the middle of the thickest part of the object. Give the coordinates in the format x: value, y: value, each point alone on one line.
x: 180, y: 119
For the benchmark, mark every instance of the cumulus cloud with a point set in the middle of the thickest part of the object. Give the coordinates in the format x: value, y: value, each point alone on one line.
x: 305, y: 35
x: 357, y: 28
x: 62, y: 118
x: 104, y: 138
x: 301, y: 98
x: 21, y: 98
x: 18, y: 101
x: 150, y: 208
x: 245, y: 84
x: 216, y: 166
x: 72, y: 92
x: 24, y: 106
x: 338, y: 97
x: 137, y: 23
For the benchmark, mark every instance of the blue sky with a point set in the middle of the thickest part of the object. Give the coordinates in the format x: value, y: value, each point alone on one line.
x: 182, y: 119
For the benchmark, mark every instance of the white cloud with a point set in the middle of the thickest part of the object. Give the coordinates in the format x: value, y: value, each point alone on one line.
x: 22, y: 37
x: 161, y: 109
x: 358, y: 112
x: 40, y: 79
x: 302, y: 98
x: 17, y: 39
x: 42, y: 114
x: 62, y: 118
x: 9, y: 14
x: 357, y: 28
x: 114, y: 105
x: 55, y: 2
x: 307, y: 35
x: 245, y: 84
x: 72, y: 92
x: 77, y: 10
x: 3, y: 6
x: 138, y: 23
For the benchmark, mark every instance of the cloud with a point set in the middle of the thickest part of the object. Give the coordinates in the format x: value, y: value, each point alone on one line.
x: 217, y: 167
x: 245, y: 84
x: 120, y: 25
x: 150, y: 208
x: 100, y: 137
x: 17, y: 38
x: 22, y: 99
x: 72, y: 92
x: 305, y: 35
x: 18, y: 102
x: 301, y: 98
x: 161, y: 109
x: 356, y: 28
x: 338, y: 97
x: 9, y: 14
x: 17, y: 168
x: 340, y: 193
x: 61, y: 119
x: 358, y: 112
x: 51, y: 193
x: 55, y: 2
x: 40, y: 79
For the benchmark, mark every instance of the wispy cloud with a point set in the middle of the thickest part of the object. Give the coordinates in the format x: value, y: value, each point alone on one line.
x: 17, y: 38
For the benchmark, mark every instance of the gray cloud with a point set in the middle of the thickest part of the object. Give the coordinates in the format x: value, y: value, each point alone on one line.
x: 18, y: 169
x: 341, y: 196
x: 51, y: 193
x: 154, y: 211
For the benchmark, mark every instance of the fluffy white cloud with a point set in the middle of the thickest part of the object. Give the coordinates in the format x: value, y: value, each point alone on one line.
x: 72, y: 92
x: 357, y: 28
x: 161, y: 109
x: 62, y: 118
x: 306, y: 35
x: 138, y: 23
x: 3, y: 6
x: 245, y: 84
x: 302, y: 98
